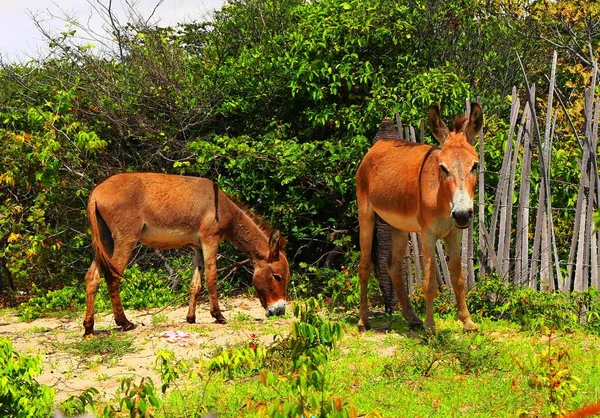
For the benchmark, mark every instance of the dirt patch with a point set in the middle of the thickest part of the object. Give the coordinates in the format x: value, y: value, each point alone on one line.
x: 55, y: 340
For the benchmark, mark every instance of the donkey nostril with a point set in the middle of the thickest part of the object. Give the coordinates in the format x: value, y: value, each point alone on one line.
x: 462, y: 217
x: 276, y: 309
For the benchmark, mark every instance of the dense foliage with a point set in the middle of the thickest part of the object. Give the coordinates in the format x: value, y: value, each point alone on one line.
x: 20, y: 394
x: 275, y: 100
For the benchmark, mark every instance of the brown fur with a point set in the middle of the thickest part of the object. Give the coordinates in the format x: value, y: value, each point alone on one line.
x: 165, y: 211
x: 406, y: 185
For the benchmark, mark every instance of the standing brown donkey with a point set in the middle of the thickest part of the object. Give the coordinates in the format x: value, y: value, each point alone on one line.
x: 167, y: 211
x: 419, y: 188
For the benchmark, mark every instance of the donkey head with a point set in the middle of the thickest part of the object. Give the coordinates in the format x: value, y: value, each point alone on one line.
x: 271, y: 276
x: 458, y: 160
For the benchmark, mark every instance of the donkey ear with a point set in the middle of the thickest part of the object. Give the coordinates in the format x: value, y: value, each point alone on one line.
x: 475, y: 123
x: 275, y: 242
x: 436, y: 125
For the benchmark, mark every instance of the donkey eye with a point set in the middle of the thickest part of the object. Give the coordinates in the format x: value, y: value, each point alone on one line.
x: 444, y: 170
x: 277, y: 277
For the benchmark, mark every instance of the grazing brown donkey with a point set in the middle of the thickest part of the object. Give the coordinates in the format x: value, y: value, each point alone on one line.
x: 419, y: 188
x: 168, y: 211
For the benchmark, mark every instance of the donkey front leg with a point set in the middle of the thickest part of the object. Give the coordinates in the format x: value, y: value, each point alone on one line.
x: 210, y: 249
x: 92, y: 280
x: 430, y: 285
x: 453, y: 249
x: 195, y: 286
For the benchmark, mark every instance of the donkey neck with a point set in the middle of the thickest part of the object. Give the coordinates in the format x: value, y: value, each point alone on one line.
x: 248, y: 237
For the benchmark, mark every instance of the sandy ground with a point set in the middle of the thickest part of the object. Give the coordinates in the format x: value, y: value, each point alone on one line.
x: 55, y: 339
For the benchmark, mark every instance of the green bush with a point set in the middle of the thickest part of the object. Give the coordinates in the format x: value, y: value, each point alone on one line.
x: 492, y: 297
x: 20, y: 394
x: 139, y: 290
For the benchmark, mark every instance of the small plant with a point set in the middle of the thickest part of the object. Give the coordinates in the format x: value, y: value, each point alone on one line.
x: 38, y: 330
x: 239, y: 361
x: 550, y: 371
x: 242, y: 317
x: 463, y: 353
x: 111, y: 346
x: 468, y: 353
x: 170, y: 369
x: 160, y: 319
x: 140, y: 400
x: 307, y: 388
x: 76, y: 405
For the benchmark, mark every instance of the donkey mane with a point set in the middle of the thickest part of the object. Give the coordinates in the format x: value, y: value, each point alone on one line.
x: 263, y: 224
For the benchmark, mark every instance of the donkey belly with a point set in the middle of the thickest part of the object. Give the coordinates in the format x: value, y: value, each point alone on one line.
x: 403, y: 222
x: 167, y: 238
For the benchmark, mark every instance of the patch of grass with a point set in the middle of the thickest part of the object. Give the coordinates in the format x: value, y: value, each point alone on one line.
x: 395, y: 372
x: 202, y: 330
x: 38, y: 329
x: 101, y: 347
x: 160, y: 319
x: 242, y: 317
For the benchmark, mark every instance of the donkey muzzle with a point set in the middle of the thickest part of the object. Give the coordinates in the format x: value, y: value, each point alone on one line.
x: 277, y: 308
x: 462, y: 218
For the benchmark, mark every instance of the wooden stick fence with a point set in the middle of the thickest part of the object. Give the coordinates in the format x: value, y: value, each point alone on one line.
x: 507, y: 247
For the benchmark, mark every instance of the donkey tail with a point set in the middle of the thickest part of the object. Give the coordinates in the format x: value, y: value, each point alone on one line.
x: 102, y: 241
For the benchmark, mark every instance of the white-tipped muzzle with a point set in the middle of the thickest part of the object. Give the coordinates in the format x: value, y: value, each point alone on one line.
x: 461, y: 209
x: 277, y: 308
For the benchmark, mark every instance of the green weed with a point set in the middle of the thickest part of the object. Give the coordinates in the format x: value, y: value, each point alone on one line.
x: 158, y: 320
x: 107, y: 347
x: 551, y: 371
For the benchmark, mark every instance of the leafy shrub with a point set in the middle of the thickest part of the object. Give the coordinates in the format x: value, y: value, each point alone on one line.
x: 139, y: 290
x: 550, y: 370
x: 20, y: 394
x: 492, y: 297
x: 464, y: 353
x: 305, y: 389
x: 139, y: 399
x: 468, y: 353
x: 246, y: 361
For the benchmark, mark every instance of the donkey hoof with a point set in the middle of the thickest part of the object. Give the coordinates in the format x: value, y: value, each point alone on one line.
x: 128, y: 326
x: 415, y: 325
x: 363, y: 326
x: 190, y: 319
x: 219, y: 318
x: 430, y: 329
x: 470, y: 326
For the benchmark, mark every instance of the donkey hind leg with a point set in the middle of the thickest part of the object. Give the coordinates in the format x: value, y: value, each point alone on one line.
x: 121, y: 254
x: 453, y: 249
x: 366, y: 221
x: 195, y: 286
x: 430, y: 285
x: 396, y: 271
x: 210, y: 247
x: 92, y: 280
